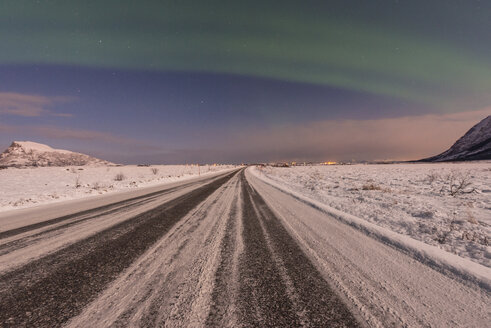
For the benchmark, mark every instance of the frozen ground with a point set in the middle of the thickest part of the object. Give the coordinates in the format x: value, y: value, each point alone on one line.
x: 26, y: 187
x: 422, y: 201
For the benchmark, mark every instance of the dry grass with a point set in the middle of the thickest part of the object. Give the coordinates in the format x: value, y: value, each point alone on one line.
x: 371, y: 186
x: 119, y: 177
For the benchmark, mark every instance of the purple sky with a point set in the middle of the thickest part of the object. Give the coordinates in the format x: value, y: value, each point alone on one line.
x: 167, y: 82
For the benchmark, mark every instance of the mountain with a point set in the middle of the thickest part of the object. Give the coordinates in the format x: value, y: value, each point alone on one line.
x: 474, y: 145
x: 27, y: 153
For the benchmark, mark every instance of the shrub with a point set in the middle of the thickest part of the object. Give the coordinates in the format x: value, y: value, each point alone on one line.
x: 155, y: 170
x: 456, y: 183
x: 119, y: 177
x: 432, y: 177
x: 371, y: 186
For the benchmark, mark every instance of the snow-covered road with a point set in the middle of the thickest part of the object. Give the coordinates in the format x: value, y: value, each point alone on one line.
x: 386, y: 287
x: 225, y: 251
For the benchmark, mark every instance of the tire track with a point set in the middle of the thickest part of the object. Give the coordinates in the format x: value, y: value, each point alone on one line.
x: 383, y: 287
x: 193, y: 298
x: 223, y: 298
x: 263, y: 297
x: 49, y: 291
x: 172, y: 283
x: 27, y: 240
x: 24, y: 248
x: 279, y: 284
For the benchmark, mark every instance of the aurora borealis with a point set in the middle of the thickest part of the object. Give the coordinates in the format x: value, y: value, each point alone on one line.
x: 193, y: 78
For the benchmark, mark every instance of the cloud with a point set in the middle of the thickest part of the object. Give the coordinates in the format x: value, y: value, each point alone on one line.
x: 403, y: 138
x: 7, y: 128
x: 54, y: 132
x: 27, y: 105
x: 90, y: 137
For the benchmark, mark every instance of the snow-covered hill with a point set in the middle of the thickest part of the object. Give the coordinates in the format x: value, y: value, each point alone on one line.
x: 474, y: 145
x: 27, y: 153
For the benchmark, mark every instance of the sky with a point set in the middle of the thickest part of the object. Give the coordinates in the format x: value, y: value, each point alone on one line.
x: 244, y: 81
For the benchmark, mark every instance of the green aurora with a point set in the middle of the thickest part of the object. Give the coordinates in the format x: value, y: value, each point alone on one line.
x: 418, y: 62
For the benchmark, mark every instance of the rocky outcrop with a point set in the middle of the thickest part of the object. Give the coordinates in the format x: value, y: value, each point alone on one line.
x: 28, y: 154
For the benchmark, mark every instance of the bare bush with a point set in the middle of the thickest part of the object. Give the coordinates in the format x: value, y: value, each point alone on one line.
x: 119, y: 177
x: 316, y: 175
x: 371, y: 186
x: 54, y: 195
x: 77, y: 182
x: 442, y: 236
x: 155, y: 170
x: 456, y: 183
x: 432, y: 177
x: 475, y: 237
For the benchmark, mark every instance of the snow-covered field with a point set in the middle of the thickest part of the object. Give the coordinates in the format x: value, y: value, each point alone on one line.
x: 26, y: 187
x: 423, y: 201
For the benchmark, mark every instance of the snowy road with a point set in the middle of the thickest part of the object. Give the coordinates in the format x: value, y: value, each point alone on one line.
x: 225, y: 251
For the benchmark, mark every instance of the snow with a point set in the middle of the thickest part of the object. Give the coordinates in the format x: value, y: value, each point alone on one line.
x: 177, y: 273
x: 27, y: 187
x: 34, y: 146
x: 386, y: 287
x: 410, y: 200
x: 91, y: 217
x: 32, y: 154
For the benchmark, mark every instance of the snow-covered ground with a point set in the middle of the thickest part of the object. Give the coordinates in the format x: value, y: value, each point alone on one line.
x: 422, y: 201
x: 26, y: 187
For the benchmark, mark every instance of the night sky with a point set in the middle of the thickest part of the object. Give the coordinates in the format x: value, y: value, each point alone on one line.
x: 244, y: 81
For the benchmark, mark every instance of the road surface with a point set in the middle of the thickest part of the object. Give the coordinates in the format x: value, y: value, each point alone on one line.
x: 225, y: 251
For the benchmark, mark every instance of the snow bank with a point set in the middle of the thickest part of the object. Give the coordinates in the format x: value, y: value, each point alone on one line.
x: 307, y: 187
x: 27, y: 187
